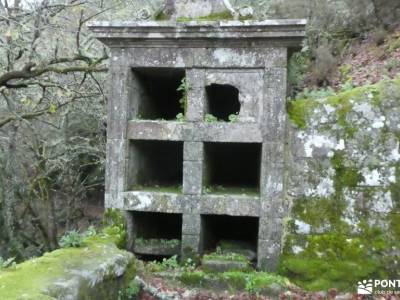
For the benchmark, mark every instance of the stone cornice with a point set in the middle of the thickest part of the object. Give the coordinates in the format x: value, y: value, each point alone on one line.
x: 286, y: 33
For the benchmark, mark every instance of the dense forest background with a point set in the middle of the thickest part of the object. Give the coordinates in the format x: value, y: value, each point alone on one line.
x: 53, y: 95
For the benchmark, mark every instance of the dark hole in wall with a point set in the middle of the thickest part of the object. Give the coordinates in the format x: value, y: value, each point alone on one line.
x: 217, y: 228
x: 150, y: 225
x: 232, y: 165
x: 222, y: 100
x: 156, y: 164
x: 158, y: 96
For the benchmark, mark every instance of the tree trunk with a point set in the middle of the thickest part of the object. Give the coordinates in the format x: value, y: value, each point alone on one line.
x: 10, y: 188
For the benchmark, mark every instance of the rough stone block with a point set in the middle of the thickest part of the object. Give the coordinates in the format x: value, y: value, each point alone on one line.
x: 156, y: 130
x: 195, y: 104
x: 193, y: 151
x: 191, y: 224
x: 116, y: 164
x: 191, y: 204
x: 228, y: 132
x: 153, y: 201
x: 233, y: 205
x: 160, y: 57
x: 270, y: 228
x: 192, y: 177
x: 112, y: 200
x: 268, y: 255
x: 190, y: 245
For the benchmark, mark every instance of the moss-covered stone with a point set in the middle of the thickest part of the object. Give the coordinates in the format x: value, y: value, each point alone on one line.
x: 345, y: 218
x: 77, y: 273
x: 219, y: 16
x: 236, y: 281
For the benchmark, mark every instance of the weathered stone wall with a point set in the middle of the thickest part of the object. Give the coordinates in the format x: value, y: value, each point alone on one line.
x: 345, y: 187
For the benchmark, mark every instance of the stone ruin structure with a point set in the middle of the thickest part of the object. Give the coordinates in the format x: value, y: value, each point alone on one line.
x: 196, y: 148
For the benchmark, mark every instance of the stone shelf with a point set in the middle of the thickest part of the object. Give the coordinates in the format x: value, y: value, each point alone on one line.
x: 153, y: 201
x: 230, y: 204
x: 199, y: 131
x: 225, y: 204
x: 157, y: 247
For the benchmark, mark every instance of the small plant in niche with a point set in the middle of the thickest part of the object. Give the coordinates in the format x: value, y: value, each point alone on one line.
x: 184, y: 88
x: 209, y: 118
x: 180, y: 117
x: 233, y: 117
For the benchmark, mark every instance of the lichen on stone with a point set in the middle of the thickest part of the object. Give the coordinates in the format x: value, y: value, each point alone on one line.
x: 345, y: 187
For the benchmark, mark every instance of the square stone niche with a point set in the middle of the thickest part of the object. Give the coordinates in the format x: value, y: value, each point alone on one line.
x: 196, y: 134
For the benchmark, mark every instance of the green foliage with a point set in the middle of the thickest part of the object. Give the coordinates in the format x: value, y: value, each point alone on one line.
x: 161, y: 16
x: 184, y: 88
x: 131, y: 291
x: 166, y: 264
x: 7, y: 263
x: 91, y: 231
x: 180, y: 117
x: 72, y: 238
x: 256, y: 282
x: 114, y: 226
x: 298, y: 66
x: 193, y: 278
x: 225, y: 256
x: 209, y: 118
x: 233, y: 117
x: 170, y: 263
x: 225, y: 15
x: 299, y: 111
x: 345, y: 176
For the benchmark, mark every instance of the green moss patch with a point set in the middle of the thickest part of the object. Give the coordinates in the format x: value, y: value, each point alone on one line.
x: 225, y: 15
x: 301, y: 109
x: 252, y: 282
x: 30, y: 279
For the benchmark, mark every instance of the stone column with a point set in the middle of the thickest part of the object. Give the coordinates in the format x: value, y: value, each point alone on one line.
x: 272, y: 189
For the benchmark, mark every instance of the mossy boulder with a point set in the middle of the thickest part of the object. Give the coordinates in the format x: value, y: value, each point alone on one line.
x: 344, y: 187
x: 93, y: 271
